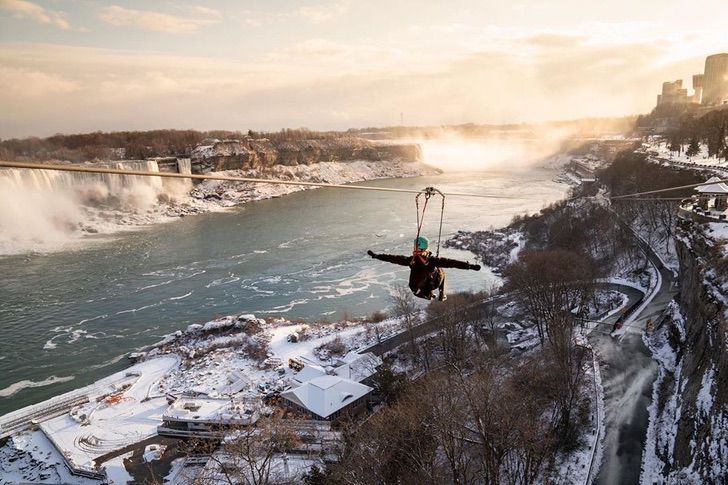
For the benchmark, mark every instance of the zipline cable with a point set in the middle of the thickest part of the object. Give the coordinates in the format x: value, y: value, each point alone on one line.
x: 651, y: 199
x: 670, y: 189
x: 116, y: 171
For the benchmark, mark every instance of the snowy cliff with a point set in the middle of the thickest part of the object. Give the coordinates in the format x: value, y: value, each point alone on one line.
x: 688, y: 433
x: 252, y: 153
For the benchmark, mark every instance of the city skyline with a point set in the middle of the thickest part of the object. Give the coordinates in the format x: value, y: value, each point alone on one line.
x: 73, y: 66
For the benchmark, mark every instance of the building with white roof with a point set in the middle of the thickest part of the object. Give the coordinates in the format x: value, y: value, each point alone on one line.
x: 358, y: 367
x: 205, y: 417
x: 327, y: 397
x: 717, y: 188
x: 354, y: 366
x: 713, y: 198
x: 710, y: 202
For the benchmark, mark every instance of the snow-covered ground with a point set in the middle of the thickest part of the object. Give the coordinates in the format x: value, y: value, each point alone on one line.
x: 496, y: 249
x: 238, y: 357
x: 119, y: 420
x: 183, y: 472
x: 573, y: 467
x: 662, y: 429
x: 283, y: 469
x: 116, y: 472
x: 659, y: 148
x: 29, y: 457
x: 212, y: 364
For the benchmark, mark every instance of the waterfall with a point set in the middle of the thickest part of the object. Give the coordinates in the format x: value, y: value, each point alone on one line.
x: 184, y: 165
x: 53, y: 180
x: 42, y: 208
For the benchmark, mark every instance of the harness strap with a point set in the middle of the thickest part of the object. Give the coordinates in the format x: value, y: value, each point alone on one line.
x: 421, y: 220
x: 429, y: 192
x: 439, y: 233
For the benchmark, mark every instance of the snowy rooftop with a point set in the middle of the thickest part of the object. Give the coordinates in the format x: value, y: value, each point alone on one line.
x: 325, y: 395
x: 358, y: 367
x: 309, y: 371
x: 207, y: 410
x: 716, y: 188
x: 354, y: 366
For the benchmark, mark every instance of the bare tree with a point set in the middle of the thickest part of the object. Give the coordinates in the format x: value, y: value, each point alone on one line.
x: 565, y: 363
x: 551, y: 282
x: 246, y: 454
x: 396, y: 446
x: 405, y: 310
x: 455, y: 319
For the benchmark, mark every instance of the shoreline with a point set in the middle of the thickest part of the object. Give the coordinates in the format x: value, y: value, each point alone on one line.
x: 94, y: 224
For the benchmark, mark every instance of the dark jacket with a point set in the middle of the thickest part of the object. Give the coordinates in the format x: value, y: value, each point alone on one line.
x: 424, y: 274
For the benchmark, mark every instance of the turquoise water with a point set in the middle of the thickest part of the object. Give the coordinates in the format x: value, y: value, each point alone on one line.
x: 75, y: 314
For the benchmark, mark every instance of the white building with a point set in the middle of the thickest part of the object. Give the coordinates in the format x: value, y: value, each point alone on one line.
x: 330, y: 392
x: 328, y: 397
x: 205, y: 417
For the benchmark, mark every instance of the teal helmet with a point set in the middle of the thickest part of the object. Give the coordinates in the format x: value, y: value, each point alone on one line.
x: 422, y: 243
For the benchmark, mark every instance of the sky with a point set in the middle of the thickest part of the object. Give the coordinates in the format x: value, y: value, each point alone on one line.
x: 69, y: 66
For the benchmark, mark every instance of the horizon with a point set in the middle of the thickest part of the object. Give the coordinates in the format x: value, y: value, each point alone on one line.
x: 331, y: 65
x: 514, y: 125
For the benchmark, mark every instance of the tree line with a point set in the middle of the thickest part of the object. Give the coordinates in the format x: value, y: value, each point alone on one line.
x: 135, y: 145
x: 688, y: 129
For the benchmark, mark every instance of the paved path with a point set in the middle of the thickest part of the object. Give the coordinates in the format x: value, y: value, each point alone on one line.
x: 628, y: 373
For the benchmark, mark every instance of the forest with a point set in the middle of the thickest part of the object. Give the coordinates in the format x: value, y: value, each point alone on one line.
x: 688, y: 129
x: 134, y: 145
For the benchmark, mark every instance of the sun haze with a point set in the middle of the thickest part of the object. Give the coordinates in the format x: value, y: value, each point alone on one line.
x: 70, y: 66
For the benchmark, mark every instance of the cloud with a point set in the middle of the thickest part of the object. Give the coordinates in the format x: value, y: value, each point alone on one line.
x: 160, y: 22
x: 321, y: 83
x: 205, y: 11
x: 324, y: 12
x: 26, y: 83
x: 314, y: 13
x: 322, y: 53
x: 23, y: 9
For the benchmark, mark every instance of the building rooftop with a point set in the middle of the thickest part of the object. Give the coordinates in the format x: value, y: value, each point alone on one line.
x: 325, y: 395
x: 716, y: 188
x: 208, y: 410
x: 354, y: 366
x: 358, y: 367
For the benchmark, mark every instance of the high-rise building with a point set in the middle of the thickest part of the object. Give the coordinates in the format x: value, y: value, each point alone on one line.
x: 715, y: 80
x: 697, y: 88
x: 672, y: 93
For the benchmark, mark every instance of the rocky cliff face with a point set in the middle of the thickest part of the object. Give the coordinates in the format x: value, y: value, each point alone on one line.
x: 688, y: 435
x: 250, y: 153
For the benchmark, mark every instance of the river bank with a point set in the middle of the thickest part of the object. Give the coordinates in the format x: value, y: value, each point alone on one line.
x: 70, y: 210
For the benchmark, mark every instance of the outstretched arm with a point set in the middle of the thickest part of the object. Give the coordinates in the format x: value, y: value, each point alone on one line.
x: 454, y: 263
x: 391, y: 258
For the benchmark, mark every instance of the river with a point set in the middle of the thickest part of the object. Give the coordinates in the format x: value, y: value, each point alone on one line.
x: 70, y: 317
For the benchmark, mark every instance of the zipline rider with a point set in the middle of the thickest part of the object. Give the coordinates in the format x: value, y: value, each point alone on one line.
x: 426, y: 274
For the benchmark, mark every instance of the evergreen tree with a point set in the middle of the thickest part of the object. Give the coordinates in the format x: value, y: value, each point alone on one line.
x: 315, y: 476
x: 693, y: 148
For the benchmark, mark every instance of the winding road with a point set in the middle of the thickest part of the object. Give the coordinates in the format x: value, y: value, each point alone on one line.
x: 628, y: 373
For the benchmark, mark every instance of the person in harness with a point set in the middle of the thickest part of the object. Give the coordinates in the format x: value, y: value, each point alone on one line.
x: 426, y: 274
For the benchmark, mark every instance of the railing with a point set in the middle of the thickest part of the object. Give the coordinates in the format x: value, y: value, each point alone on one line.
x: 595, y: 445
x: 690, y: 210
